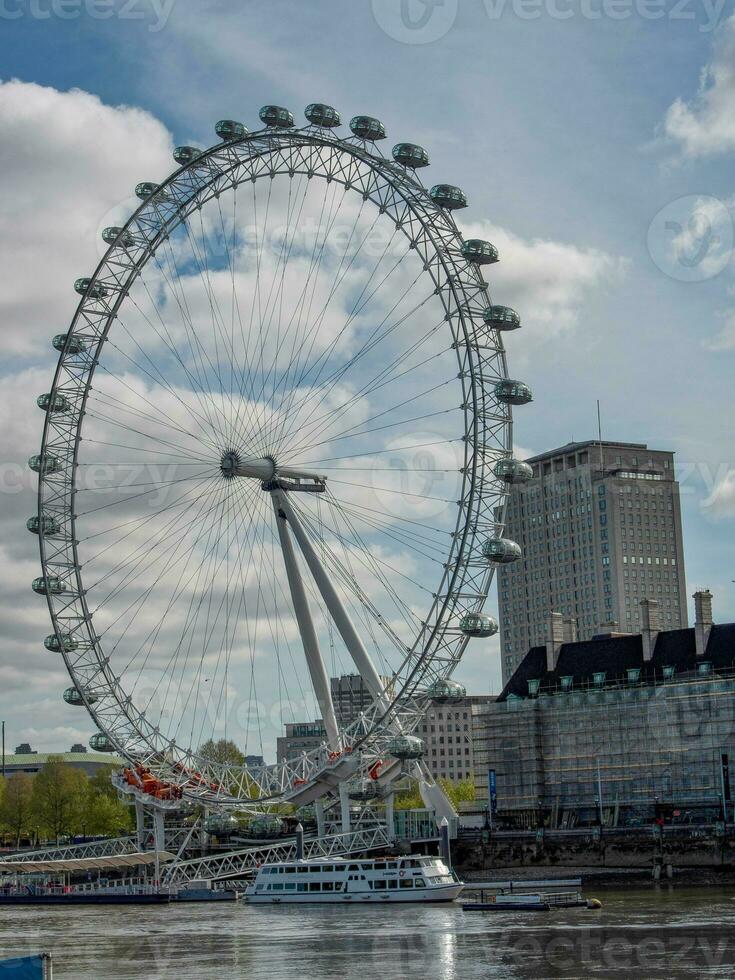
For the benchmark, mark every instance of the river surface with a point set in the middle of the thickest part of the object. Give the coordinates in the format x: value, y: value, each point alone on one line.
x: 638, y: 934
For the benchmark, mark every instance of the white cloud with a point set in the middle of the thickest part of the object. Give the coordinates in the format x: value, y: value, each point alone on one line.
x: 706, y: 125
x: 724, y: 339
x: 67, y: 160
x: 547, y: 282
x: 720, y: 503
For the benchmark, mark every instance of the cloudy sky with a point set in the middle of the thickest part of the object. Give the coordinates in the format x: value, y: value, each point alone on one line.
x: 594, y: 140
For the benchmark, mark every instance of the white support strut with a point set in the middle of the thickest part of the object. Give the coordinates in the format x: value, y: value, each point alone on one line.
x: 337, y: 611
x: 315, y: 663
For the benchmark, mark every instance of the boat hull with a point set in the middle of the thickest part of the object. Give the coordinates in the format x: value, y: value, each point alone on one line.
x: 440, y: 893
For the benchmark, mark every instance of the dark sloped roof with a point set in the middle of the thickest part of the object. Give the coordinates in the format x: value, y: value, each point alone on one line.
x: 616, y: 654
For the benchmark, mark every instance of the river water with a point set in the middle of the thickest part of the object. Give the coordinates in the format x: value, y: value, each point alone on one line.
x: 639, y: 933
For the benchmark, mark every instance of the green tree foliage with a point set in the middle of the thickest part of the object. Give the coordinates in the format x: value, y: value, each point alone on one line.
x: 59, y: 797
x: 409, y: 798
x: 458, y: 792
x: 16, y: 810
x: 461, y: 791
x: 104, y: 813
x: 223, y: 750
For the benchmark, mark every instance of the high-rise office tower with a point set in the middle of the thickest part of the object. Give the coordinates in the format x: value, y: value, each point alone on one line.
x: 599, y: 525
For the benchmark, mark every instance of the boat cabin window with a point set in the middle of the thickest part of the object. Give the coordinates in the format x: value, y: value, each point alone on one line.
x: 327, y: 867
x: 302, y: 870
x: 419, y: 883
x: 392, y: 883
x: 315, y: 886
x: 379, y: 866
x: 406, y: 882
x: 353, y: 867
x: 380, y: 884
x: 392, y: 864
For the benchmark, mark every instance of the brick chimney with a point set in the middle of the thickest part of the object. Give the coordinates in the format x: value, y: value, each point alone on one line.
x: 570, y: 629
x: 554, y: 640
x: 651, y: 626
x: 702, y: 619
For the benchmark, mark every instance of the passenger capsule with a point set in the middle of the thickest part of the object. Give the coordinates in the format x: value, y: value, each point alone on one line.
x: 221, y: 825
x: 406, y: 747
x: 477, y: 624
x: 229, y: 130
x: 147, y: 189
x: 322, y: 115
x: 117, y: 236
x: 448, y: 196
x: 53, y: 402
x: 46, y: 525
x: 513, y: 471
x: 101, y: 743
x: 276, y: 116
x: 479, y: 251
x: 88, y: 287
x: 367, y: 128
x: 185, y: 155
x: 410, y: 155
x: 513, y: 392
x: 446, y: 690
x: 48, y: 585
x: 68, y: 643
x: 501, y: 318
x: 500, y: 551
x: 266, y: 826
x: 72, y: 695
x: 362, y: 789
x: 77, y: 344
x: 44, y: 464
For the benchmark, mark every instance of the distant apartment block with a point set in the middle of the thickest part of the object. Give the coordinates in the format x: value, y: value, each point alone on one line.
x: 448, y: 731
x: 599, y: 525
x: 301, y: 736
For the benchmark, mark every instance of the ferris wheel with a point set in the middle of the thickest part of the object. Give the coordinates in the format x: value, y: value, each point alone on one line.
x: 276, y: 448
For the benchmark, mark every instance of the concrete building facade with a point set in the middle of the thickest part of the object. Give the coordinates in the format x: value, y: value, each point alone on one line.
x: 616, y: 728
x: 301, y: 736
x: 599, y: 525
x: 449, y: 732
x: 351, y: 696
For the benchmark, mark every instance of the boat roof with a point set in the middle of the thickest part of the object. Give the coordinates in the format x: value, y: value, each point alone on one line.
x: 351, y: 860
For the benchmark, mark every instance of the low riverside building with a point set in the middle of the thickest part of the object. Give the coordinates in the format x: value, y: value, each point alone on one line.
x: 79, y: 758
x: 621, y: 729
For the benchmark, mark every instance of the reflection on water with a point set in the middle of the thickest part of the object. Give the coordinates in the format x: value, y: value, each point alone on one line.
x: 645, y: 933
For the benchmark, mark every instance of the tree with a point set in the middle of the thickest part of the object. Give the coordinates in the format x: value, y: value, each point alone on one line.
x: 461, y: 791
x: 104, y: 813
x: 410, y: 798
x: 223, y: 750
x: 59, y: 796
x: 105, y: 816
x: 16, y: 809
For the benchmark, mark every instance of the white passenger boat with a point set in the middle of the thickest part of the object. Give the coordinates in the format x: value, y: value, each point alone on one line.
x: 400, y: 879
